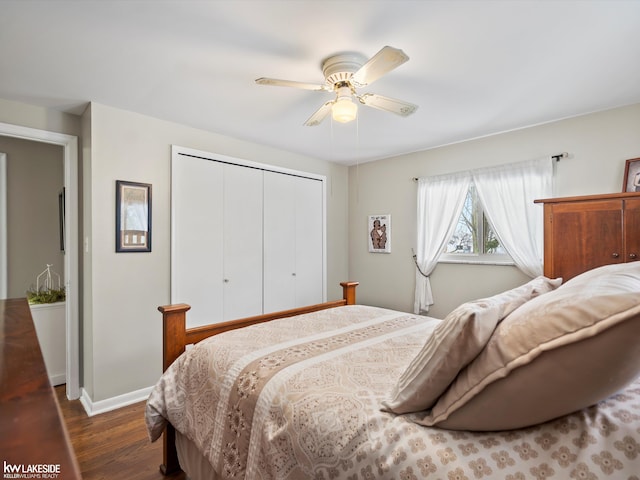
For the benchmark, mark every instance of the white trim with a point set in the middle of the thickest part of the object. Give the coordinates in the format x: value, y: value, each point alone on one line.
x: 324, y: 239
x: 71, y: 275
x: 102, y: 406
x: 58, y: 379
x: 3, y: 225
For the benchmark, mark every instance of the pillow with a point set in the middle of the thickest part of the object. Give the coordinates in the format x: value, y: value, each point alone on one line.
x: 556, y: 354
x: 454, y: 343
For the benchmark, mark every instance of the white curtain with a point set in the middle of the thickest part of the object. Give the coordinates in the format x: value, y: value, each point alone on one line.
x: 507, y: 193
x: 440, y: 201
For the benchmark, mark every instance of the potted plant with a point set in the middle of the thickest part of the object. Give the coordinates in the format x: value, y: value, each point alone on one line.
x: 46, y: 290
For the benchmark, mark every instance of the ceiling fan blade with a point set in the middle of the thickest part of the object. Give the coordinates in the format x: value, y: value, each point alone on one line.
x: 387, y: 104
x: 382, y: 62
x: 320, y: 114
x: 290, y: 83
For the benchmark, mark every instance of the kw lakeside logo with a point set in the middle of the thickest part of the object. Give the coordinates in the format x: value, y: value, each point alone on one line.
x: 37, y: 470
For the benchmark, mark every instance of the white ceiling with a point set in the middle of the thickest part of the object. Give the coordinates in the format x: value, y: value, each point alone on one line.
x: 476, y: 67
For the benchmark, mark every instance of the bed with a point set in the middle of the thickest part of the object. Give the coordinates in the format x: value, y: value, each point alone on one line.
x: 537, y: 382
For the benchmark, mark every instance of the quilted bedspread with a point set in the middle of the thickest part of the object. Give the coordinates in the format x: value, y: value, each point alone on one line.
x: 300, y: 398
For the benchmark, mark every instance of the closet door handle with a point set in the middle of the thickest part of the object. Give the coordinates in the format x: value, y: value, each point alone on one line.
x: 632, y: 256
x: 615, y: 255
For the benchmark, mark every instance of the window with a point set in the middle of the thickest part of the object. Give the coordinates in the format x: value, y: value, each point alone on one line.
x: 508, y: 193
x: 474, y: 240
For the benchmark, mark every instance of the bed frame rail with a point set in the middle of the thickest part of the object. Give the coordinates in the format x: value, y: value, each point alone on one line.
x: 176, y: 336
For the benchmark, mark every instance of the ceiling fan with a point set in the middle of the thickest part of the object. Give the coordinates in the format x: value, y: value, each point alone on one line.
x: 344, y: 73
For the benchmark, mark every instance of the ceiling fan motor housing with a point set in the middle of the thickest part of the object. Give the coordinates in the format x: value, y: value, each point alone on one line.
x: 340, y: 68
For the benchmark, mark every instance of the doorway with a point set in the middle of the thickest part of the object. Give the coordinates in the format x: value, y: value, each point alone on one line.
x: 69, y: 145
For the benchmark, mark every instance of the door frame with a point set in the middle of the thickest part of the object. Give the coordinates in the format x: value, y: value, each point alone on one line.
x: 69, y: 145
x: 3, y: 225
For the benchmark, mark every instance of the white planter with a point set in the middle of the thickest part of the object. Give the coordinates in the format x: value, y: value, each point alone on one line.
x: 50, y: 322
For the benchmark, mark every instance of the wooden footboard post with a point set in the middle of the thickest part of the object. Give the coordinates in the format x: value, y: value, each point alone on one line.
x: 174, y: 332
x: 349, y: 292
x: 173, y: 345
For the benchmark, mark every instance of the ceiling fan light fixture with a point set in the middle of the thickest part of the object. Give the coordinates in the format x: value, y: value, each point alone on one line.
x: 344, y: 110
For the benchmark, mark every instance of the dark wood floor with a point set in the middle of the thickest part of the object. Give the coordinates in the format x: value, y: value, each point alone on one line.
x: 113, y: 444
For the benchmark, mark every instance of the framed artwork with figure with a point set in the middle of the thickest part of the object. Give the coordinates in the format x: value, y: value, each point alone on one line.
x: 632, y: 176
x: 379, y: 229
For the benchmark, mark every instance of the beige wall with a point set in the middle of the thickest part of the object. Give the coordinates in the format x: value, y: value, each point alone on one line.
x: 598, y: 145
x: 34, y: 179
x: 17, y: 113
x: 125, y: 326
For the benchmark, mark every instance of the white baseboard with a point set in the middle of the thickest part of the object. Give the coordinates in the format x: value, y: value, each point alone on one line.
x: 101, y: 406
x: 58, y: 379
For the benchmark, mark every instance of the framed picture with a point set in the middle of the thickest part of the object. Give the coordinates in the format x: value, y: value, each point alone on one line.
x: 632, y: 176
x: 379, y: 229
x: 61, y: 217
x: 133, y: 217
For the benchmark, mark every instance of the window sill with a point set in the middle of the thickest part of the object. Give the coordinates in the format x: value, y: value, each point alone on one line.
x: 475, y: 260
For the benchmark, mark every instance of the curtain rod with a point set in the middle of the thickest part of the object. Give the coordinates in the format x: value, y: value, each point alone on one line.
x: 555, y: 157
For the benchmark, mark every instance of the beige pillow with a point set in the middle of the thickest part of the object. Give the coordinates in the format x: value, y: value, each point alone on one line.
x: 557, y: 354
x: 454, y: 343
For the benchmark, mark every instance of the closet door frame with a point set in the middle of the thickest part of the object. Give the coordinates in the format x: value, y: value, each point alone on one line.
x: 178, y: 151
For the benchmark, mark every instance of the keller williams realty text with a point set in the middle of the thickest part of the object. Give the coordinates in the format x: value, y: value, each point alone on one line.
x: 38, y: 470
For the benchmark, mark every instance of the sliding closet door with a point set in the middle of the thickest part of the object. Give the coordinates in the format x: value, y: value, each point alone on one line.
x: 196, y: 224
x: 217, y: 239
x: 279, y: 242
x: 293, y: 241
x: 242, y: 244
x: 309, y: 250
